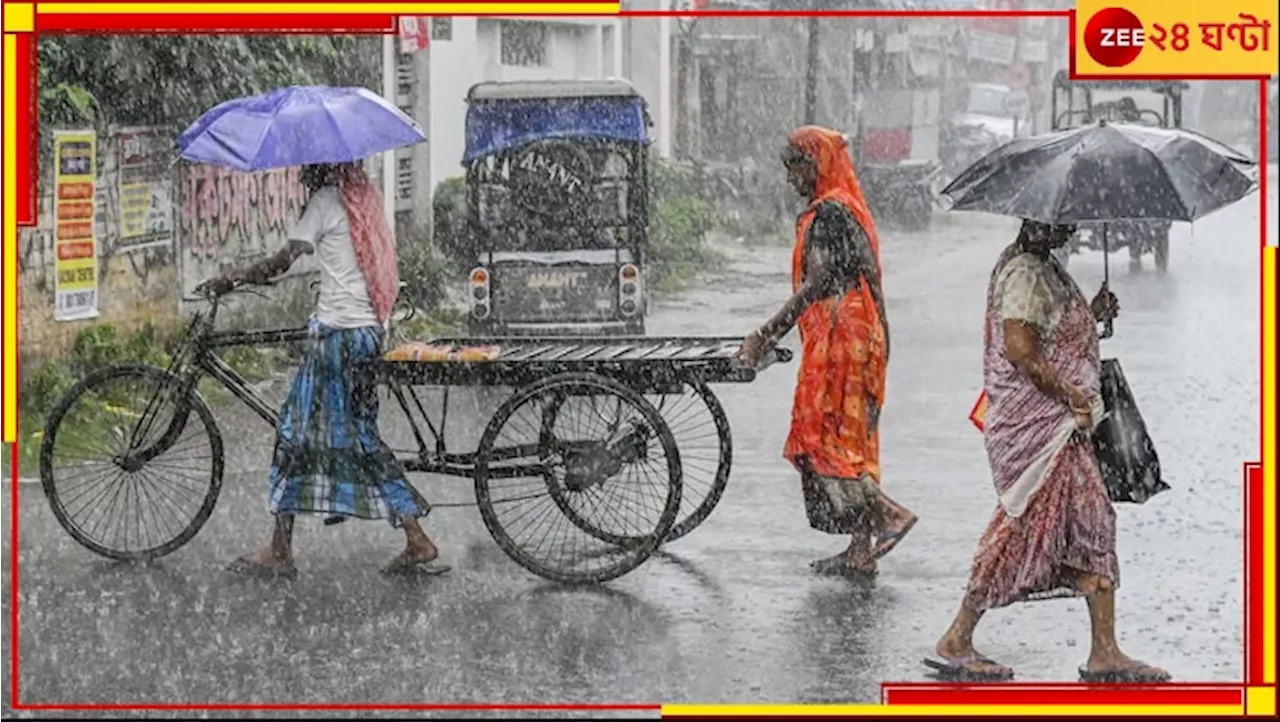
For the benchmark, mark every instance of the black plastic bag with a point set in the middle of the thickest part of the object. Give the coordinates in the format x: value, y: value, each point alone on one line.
x: 1126, y: 456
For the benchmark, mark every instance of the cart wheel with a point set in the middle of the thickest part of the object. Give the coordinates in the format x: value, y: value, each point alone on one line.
x: 131, y: 501
x: 576, y: 452
x: 701, y: 430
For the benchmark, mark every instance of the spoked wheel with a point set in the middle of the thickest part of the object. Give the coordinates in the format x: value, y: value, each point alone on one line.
x: 571, y: 453
x: 131, y: 465
x: 701, y: 430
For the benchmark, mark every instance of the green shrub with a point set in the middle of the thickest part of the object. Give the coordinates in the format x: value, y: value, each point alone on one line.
x: 426, y: 275
x: 101, y: 345
x: 449, y: 218
x: 680, y: 216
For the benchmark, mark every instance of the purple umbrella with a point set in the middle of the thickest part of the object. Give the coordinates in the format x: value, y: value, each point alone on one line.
x: 298, y: 125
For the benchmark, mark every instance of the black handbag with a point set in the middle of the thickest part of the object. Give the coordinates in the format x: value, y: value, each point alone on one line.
x: 1126, y: 456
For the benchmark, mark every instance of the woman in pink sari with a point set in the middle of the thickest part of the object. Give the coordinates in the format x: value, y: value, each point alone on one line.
x: 1053, y: 533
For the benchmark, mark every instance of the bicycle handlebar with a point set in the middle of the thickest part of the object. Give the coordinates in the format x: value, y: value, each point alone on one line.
x: 242, y: 287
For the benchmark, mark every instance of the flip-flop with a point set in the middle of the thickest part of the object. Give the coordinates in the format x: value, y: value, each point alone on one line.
x: 885, y: 544
x: 248, y: 567
x: 1140, y: 673
x: 963, y: 669
x: 403, y: 566
x: 840, y: 566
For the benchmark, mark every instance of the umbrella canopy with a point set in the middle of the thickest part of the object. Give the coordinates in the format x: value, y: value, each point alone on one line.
x: 298, y: 125
x: 1106, y: 172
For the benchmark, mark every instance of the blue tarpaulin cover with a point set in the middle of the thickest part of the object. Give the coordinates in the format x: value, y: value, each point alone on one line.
x: 498, y: 125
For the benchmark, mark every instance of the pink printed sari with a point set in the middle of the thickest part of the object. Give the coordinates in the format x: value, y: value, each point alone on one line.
x: 374, y: 243
x: 1067, y: 528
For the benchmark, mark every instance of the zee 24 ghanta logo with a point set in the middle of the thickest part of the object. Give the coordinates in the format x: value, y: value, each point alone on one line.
x: 1115, y: 37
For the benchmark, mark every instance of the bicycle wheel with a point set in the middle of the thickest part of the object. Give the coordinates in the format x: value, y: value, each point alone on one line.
x: 132, y: 467
x: 604, y: 456
x: 700, y: 428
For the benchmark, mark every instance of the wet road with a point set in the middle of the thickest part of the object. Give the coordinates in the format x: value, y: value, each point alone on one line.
x: 729, y: 613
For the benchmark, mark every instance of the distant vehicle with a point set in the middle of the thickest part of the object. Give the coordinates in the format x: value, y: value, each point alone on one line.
x: 896, y: 144
x: 557, y: 207
x: 1157, y: 103
x: 990, y: 116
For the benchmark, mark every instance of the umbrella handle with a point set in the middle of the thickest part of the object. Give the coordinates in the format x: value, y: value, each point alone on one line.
x: 1108, y: 329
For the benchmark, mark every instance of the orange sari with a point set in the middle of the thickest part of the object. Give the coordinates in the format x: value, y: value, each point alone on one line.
x: 844, y: 362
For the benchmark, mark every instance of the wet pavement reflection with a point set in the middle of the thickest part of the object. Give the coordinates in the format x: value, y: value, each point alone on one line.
x: 730, y: 613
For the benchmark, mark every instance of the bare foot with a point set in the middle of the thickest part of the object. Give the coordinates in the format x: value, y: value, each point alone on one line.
x: 420, y: 552
x: 418, y: 557
x: 266, y: 563
x: 271, y: 557
x: 893, y: 532
x: 844, y: 565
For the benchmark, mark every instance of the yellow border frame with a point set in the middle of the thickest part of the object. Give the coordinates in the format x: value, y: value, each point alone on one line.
x: 344, y: 8
x: 1259, y: 700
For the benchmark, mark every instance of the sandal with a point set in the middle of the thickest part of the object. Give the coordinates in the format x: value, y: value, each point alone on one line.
x: 1137, y: 673
x: 972, y: 668
x: 254, y: 569
x: 886, y: 543
x: 404, y: 565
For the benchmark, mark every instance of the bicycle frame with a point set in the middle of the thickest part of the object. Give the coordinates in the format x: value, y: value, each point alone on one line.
x: 199, y: 353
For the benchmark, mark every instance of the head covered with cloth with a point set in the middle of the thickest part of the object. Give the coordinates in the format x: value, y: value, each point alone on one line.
x: 371, y: 237
x: 838, y: 307
x: 819, y: 168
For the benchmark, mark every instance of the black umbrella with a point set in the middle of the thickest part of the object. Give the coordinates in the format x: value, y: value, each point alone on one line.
x: 1105, y: 172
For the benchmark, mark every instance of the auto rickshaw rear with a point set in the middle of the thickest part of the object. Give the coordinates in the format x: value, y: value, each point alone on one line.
x: 557, y: 206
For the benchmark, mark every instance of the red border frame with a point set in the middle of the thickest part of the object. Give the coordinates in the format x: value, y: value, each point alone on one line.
x: 896, y: 693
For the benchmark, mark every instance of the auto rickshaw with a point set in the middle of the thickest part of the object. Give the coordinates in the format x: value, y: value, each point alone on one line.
x: 557, y: 207
x: 1074, y: 104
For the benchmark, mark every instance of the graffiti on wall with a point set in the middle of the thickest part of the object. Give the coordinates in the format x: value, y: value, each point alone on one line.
x: 227, y: 218
x: 226, y: 211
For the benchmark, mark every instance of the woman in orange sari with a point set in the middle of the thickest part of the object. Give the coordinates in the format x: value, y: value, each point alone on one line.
x: 838, y: 305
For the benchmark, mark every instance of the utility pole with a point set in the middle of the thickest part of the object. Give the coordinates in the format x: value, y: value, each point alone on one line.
x: 665, y: 115
x: 389, y: 158
x: 811, y: 73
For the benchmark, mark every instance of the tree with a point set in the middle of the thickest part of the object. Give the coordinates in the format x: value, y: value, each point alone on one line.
x: 170, y: 80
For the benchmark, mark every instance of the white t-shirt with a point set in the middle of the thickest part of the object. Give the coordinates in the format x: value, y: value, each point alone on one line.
x: 344, y: 296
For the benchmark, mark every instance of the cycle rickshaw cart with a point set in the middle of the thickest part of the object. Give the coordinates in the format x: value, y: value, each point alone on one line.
x: 588, y: 437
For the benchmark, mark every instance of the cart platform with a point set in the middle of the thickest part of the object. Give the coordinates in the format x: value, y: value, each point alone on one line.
x: 648, y: 363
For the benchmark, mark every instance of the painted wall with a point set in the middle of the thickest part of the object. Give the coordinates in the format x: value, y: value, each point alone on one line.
x: 221, y: 219
x: 135, y: 284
